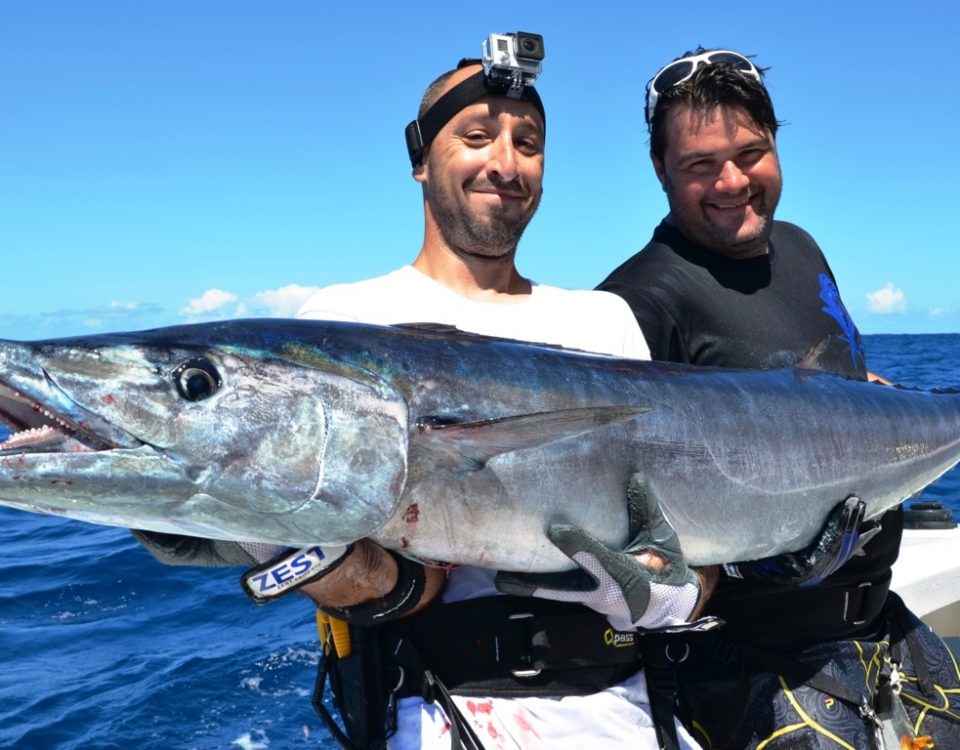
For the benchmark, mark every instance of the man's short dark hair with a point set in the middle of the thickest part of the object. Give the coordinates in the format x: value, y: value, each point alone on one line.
x: 711, y: 86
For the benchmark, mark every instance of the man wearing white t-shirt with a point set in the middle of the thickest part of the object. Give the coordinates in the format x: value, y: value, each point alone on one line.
x: 480, y: 163
x: 442, y: 655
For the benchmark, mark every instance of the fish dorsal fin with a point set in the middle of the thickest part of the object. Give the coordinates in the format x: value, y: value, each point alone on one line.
x: 812, y: 359
x: 430, y: 327
x: 474, y: 443
x: 446, y: 328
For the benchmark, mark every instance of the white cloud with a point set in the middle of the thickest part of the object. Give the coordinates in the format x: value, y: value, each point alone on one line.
x: 117, y: 305
x: 935, y: 313
x: 887, y: 300
x: 210, y: 300
x: 274, y: 303
x: 285, y: 301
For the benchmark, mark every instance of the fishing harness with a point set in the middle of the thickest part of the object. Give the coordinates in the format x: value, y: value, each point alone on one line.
x: 493, y: 647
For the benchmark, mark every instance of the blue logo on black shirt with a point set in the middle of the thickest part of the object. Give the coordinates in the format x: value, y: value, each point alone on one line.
x: 833, y: 306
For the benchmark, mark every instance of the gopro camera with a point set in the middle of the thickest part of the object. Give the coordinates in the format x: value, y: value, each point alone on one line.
x: 513, y: 60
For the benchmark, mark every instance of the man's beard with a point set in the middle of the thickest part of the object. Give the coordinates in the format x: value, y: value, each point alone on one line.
x: 696, y: 224
x: 490, y: 236
x: 728, y: 243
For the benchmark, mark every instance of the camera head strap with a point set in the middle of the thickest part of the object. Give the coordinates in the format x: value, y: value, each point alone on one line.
x: 421, y: 132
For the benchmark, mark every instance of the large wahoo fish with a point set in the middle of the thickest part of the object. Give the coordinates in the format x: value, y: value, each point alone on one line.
x: 445, y: 445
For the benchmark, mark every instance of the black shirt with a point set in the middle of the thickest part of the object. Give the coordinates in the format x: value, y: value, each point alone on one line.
x: 766, y: 312
x: 776, y: 310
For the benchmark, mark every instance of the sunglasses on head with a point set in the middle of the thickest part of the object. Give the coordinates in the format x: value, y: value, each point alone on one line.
x: 675, y: 73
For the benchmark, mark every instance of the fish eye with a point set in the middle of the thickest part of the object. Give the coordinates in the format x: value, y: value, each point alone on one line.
x: 197, y: 379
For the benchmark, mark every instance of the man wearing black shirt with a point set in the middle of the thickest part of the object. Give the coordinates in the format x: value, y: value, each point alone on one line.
x: 721, y: 283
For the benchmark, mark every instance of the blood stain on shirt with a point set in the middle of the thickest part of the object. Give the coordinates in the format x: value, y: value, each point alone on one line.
x: 523, y: 724
x: 484, y: 707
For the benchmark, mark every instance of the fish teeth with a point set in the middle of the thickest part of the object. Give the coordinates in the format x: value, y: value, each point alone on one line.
x: 28, y: 437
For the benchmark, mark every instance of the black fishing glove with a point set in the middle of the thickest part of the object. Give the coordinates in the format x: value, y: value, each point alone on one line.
x: 616, y: 583
x: 842, y: 536
x: 178, y: 549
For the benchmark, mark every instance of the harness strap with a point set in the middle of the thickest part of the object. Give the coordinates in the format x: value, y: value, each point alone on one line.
x: 351, y: 659
x: 328, y: 654
x: 662, y: 691
x: 416, y: 679
x: 843, y: 609
x: 514, y: 646
x: 899, y: 611
x: 461, y: 733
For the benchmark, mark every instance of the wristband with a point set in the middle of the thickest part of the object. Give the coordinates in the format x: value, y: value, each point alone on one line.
x: 404, y: 596
x: 290, y: 570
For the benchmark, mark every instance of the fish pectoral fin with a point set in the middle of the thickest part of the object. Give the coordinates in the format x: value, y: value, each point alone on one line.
x: 813, y: 359
x: 478, y: 442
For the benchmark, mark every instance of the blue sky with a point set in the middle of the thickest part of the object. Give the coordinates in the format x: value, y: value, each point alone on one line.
x: 173, y: 161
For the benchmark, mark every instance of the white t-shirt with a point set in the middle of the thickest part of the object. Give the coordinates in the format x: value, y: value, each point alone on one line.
x: 593, y: 321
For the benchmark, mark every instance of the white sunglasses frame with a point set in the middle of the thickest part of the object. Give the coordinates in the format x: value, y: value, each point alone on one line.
x: 653, y: 96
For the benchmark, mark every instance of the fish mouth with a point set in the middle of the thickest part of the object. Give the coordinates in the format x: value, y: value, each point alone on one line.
x: 36, y: 426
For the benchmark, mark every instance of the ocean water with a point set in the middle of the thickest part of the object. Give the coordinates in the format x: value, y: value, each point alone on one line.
x: 101, y: 647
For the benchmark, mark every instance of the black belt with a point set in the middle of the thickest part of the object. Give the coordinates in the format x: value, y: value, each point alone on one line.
x: 512, y: 646
x: 825, y: 612
x: 850, y: 605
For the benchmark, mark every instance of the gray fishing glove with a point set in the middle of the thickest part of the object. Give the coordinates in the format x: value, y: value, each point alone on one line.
x: 616, y: 583
x: 842, y: 536
x: 176, y: 549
